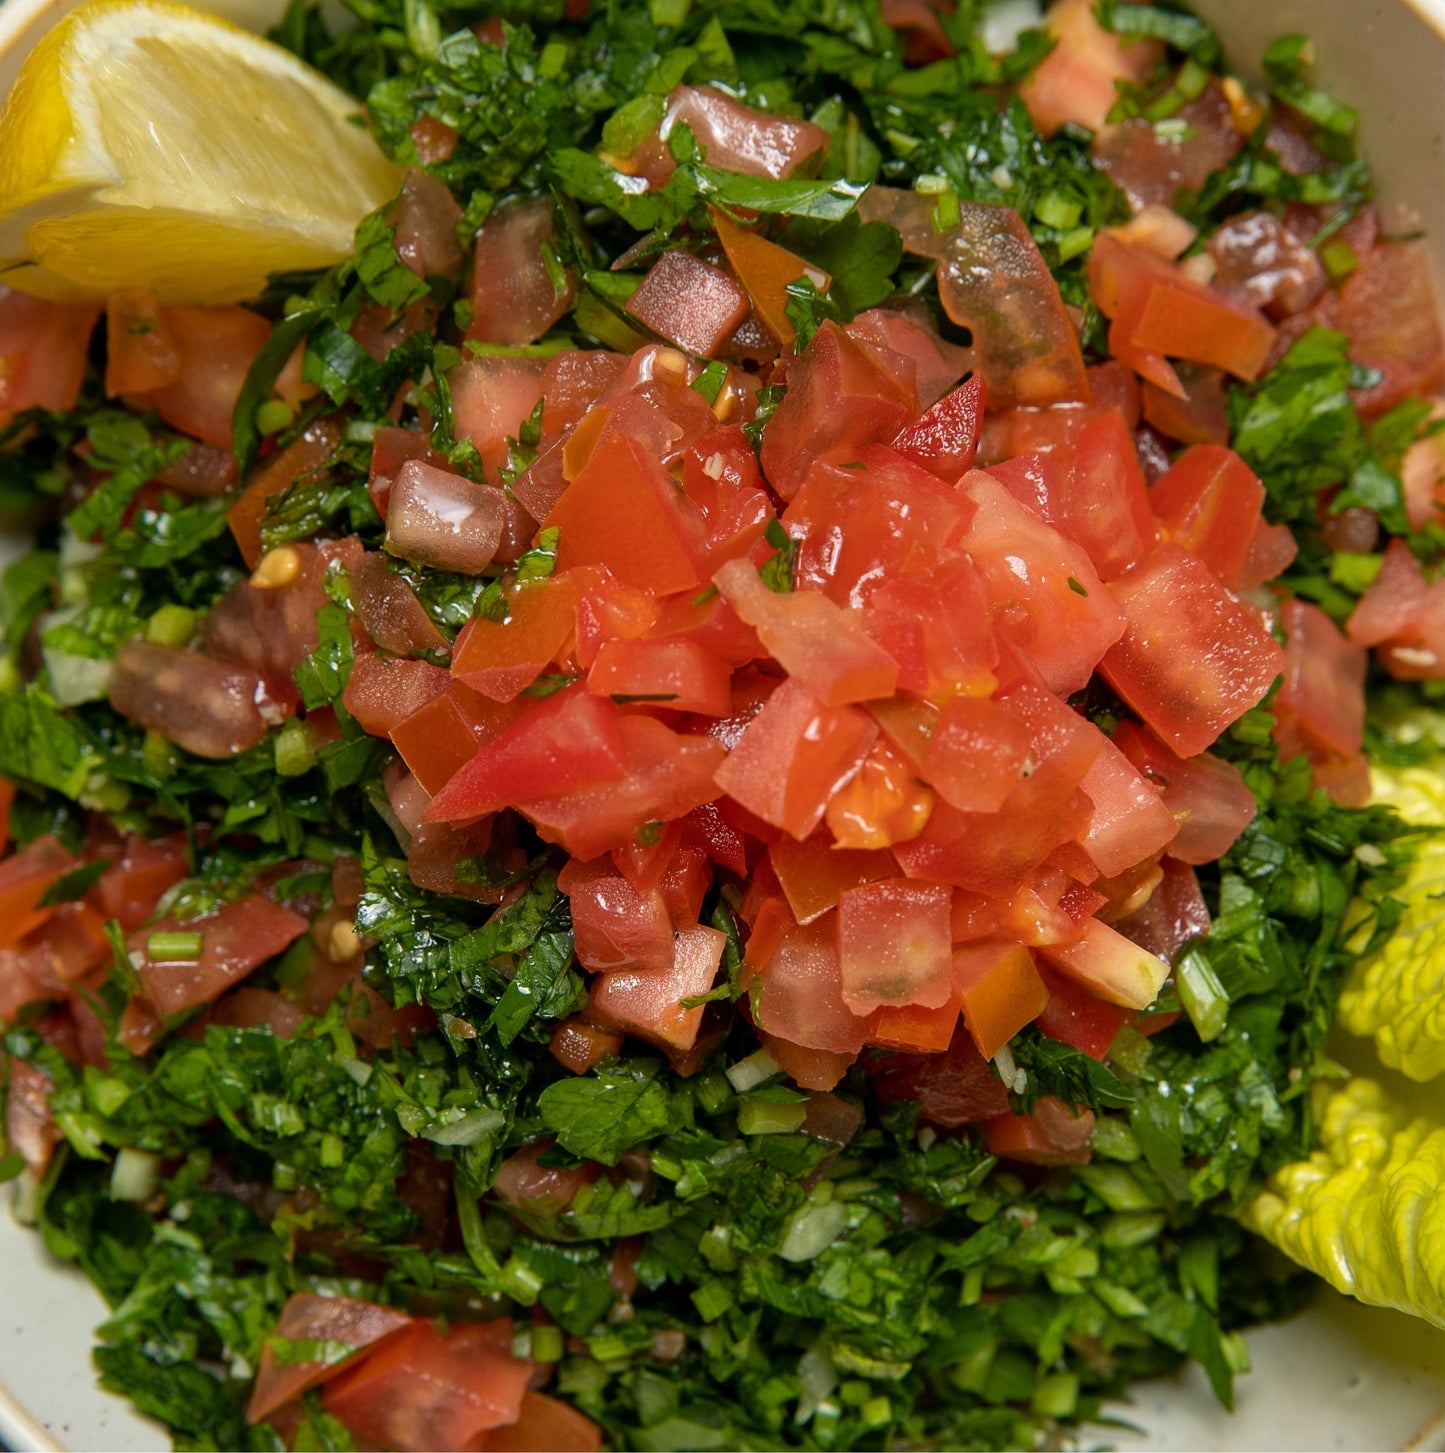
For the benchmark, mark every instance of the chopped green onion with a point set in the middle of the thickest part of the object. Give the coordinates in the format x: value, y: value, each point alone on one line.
x: 1339, y: 259
x: 547, y: 1343
x: 711, y: 1299
x: 748, y: 1073
x: 134, y: 1175
x: 813, y: 1230
x: 767, y: 1117
x: 174, y: 947
x: 1056, y: 1395
x: 294, y: 755
x: 171, y: 625
x: 1057, y: 211
x: 1200, y: 992
x: 273, y: 416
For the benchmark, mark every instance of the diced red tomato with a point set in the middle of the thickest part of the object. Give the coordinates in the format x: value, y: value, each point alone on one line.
x: 566, y: 741
x: 502, y: 659
x: 140, y: 350
x: 912, y: 1028
x: 1201, y: 416
x: 1193, y: 657
x: 894, y: 944
x: 25, y: 878
x: 436, y: 741
x: 616, y: 926
x: 491, y: 399
x: 545, y: 1422
x: 425, y: 1389
x: 821, y: 646
x: 389, y: 610
x: 1152, y: 165
x: 957, y: 1087
x: 580, y: 1046
x: 766, y: 270
x: 66, y: 947
x: 1209, y: 502
x: 297, y: 461
x: 944, y: 438
x: 904, y: 340
x: 1077, y: 1017
x: 1077, y: 80
x: 738, y: 138
x: 1206, y: 795
x: 794, y: 756
x: 1174, y: 912
x: 719, y: 839
x: 676, y: 673
x: 838, y: 400
x: 935, y: 623
x: 975, y: 755
x: 1052, y: 1135
x: 813, y: 874
x: 1404, y: 617
x: 382, y: 692
x: 1129, y: 821
x: 29, y: 1127
x: 810, y: 1069
x: 1047, y: 598
x: 665, y: 776
x: 308, y: 1318
x: 43, y: 350
x: 424, y: 221
x: 239, y: 937
x: 648, y: 1003
x: 541, y: 1190
x: 390, y: 448
x: 999, y: 990
x: 1104, y: 506
x: 1389, y: 313
x: 515, y: 298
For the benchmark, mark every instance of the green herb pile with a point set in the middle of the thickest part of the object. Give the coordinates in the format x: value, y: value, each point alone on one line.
x: 906, y: 1291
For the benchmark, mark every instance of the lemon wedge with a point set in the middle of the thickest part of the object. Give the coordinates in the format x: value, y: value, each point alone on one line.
x: 145, y: 144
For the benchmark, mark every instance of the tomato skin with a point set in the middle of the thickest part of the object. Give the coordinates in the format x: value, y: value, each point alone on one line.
x: 381, y: 692
x: 237, y: 938
x: 1052, y: 1135
x: 914, y: 1029
x: 1207, y: 795
x: 424, y: 1389
x: 894, y: 944
x: 436, y: 741
x: 838, y: 399
x: 307, y: 1318
x: 1218, y: 662
x: 810, y: 1069
x: 1105, y: 507
x: 29, y: 1127
x: 1388, y: 311
x: 1209, y: 502
x: 665, y: 776
x: 25, y: 878
x: 514, y: 298
x: 1060, y: 630
x: 794, y: 756
x: 1129, y: 822
x: 566, y: 741
x: 944, y: 438
x: 216, y: 346
x: 43, y: 350
x: 1403, y: 617
x: 689, y: 302
x: 957, y: 1087
x: 739, y: 138
x: 975, y: 754
x: 306, y: 455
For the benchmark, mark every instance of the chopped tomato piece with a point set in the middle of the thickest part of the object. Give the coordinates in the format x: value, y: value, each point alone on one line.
x: 541, y: 1190
x: 1110, y: 966
x: 1200, y: 416
x: 738, y: 138
x: 648, y: 1003
x: 515, y: 298
x: 1104, y: 506
x: 975, y: 755
x: 382, y: 692
x: 297, y: 461
x: 957, y: 1087
x: 29, y: 1127
x: 425, y: 1389
x: 676, y: 673
x: 25, y: 878
x: 545, y: 1422
x: 1207, y: 796
x: 501, y: 659
x: 307, y: 1318
x: 436, y: 741
x: 1404, y: 617
x: 944, y: 438
x: 1151, y: 165
x: 1388, y: 311
x: 239, y: 937
x: 813, y: 873
x: 206, y: 706
x: 1052, y: 1135
x: 1129, y: 821
x: 665, y: 775
x: 838, y: 400
x: 935, y: 623
x: 1209, y: 502
x: 625, y: 512
x: 689, y: 302
x: 66, y: 947
x: 491, y: 399
x: 894, y: 944
x: 911, y: 1027
x: 1218, y: 661
x: 424, y: 220
x: 822, y: 646
x: 906, y: 343
x: 1173, y: 913
x: 616, y: 925
x: 140, y: 350
x: 883, y: 804
x: 999, y: 990
x: 216, y: 346
x: 766, y: 270
x: 580, y: 1046
x: 1078, y: 1017
x: 43, y: 352
x: 794, y: 755
x: 1047, y: 598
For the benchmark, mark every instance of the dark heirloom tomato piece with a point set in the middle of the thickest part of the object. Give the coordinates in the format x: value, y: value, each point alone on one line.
x: 131, y: 886
x: 444, y: 520
x: 689, y: 302
x: 738, y: 138
x: 515, y: 297
x: 209, y: 707
x: 424, y: 220
x: 544, y: 1422
x: 43, y: 349
x: 1259, y: 261
x: 540, y: 1190
x: 1389, y: 312
x: 29, y: 1128
x: 1173, y: 913
x: 239, y: 937
x: 1151, y: 163
x: 389, y: 610
x: 957, y: 1087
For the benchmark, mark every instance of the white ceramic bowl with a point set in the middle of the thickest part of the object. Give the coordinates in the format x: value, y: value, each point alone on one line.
x: 1341, y: 1376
